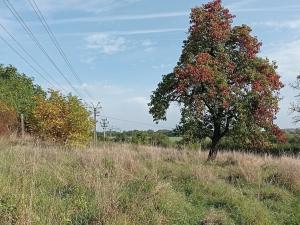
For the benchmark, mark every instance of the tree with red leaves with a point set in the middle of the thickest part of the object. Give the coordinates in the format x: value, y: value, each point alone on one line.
x: 223, y: 86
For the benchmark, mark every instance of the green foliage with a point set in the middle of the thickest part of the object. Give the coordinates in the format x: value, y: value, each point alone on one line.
x: 161, y: 138
x: 18, y: 90
x: 139, y: 137
x: 62, y: 119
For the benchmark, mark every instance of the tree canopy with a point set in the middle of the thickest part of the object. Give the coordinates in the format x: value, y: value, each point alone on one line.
x: 62, y: 119
x: 17, y: 90
x: 223, y: 86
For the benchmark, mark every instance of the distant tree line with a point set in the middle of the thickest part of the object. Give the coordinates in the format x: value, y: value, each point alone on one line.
x: 160, y: 138
x: 176, y: 139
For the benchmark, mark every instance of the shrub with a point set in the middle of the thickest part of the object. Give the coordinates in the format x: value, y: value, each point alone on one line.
x: 62, y: 119
x: 8, y: 119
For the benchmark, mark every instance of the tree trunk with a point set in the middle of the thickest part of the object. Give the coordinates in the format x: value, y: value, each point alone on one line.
x: 215, y: 140
x: 213, y: 151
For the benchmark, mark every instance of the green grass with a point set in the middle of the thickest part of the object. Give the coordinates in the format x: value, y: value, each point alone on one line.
x: 123, y: 184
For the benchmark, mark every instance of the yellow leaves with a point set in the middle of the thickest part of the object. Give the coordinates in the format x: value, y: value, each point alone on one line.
x: 62, y: 119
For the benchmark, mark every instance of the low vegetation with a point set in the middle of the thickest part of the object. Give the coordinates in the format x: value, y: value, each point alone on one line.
x: 130, y: 184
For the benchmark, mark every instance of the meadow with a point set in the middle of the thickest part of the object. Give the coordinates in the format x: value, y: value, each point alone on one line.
x: 130, y: 184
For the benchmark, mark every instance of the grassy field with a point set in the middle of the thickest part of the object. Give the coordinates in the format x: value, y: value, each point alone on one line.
x: 124, y: 184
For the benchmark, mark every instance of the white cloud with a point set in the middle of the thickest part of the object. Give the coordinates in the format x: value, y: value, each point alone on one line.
x: 79, y: 5
x: 126, y: 32
x: 148, y: 46
x: 150, y: 31
x: 105, y: 89
x: 147, y: 43
x: 92, y: 19
x: 245, y: 6
x: 240, y: 4
x: 88, y: 60
x: 139, y: 100
x: 270, y: 9
x: 100, y: 90
x: 106, y: 43
x: 162, y: 66
x: 289, y: 24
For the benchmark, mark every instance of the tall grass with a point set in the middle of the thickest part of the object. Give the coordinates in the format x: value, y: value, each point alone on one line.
x: 127, y: 184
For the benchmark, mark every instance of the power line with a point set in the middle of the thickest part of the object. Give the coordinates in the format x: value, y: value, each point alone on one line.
x: 104, y: 124
x: 29, y: 55
x: 95, y: 111
x: 36, y: 41
x: 25, y: 60
x: 131, y: 121
x: 57, y: 45
x: 54, y: 40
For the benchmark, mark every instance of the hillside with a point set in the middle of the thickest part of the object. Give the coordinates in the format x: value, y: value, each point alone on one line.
x: 126, y: 184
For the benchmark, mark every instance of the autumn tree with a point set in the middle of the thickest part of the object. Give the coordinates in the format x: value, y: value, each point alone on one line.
x: 223, y: 86
x: 61, y: 119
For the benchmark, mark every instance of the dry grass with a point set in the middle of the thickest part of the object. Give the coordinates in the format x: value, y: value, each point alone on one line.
x: 125, y: 184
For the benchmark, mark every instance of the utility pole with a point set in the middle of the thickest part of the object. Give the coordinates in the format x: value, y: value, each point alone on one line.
x: 104, y: 124
x: 22, y: 126
x: 95, y: 111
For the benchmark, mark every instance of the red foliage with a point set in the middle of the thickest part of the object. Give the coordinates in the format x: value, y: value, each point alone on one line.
x: 227, y: 70
x: 257, y: 86
x: 273, y: 79
x: 8, y: 119
x: 248, y: 45
x: 203, y: 58
x: 201, y: 72
x: 217, y: 21
x: 279, y: 134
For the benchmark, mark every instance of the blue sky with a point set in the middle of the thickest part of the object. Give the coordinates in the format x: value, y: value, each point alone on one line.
x: 120, y: 48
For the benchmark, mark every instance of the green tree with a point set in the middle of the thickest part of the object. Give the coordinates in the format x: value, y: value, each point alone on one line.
x: 159, y: 139
x: 17, y: 90
x: 62, y: 119
x: 139, y: 137
x: 222, y: 85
